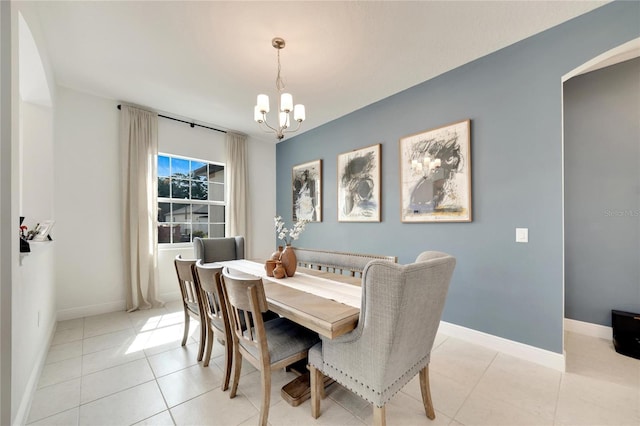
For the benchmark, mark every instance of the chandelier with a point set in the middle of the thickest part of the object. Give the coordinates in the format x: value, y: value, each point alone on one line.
x: 285, y: 104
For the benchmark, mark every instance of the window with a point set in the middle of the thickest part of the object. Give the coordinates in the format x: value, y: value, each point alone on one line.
x: 190, y: 199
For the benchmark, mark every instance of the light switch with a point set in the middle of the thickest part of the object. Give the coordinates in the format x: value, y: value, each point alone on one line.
x: 522, y: 235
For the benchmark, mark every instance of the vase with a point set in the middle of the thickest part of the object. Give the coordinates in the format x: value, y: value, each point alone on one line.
x: 276, y: 254
x: 289, y: 260
x: 269, y: 266
x: 278, y: 271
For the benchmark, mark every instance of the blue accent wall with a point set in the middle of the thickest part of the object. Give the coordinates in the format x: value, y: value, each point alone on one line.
x: 513, y: 98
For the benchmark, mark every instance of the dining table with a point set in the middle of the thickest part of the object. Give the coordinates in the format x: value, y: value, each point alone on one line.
x: 325, y: 302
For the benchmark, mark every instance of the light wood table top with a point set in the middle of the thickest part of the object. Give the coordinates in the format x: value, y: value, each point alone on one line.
x: 325, y: 316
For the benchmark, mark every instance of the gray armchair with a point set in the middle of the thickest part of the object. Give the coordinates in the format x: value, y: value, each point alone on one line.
x: 400, y: 313
x: 218, y: 249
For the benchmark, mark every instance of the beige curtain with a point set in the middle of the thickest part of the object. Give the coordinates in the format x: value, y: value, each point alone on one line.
x: 139, y: 148
x: 237, y: 186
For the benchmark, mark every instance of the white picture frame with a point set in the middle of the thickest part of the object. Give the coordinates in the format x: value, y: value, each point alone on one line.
x: 43, y: 230
x: 306, y: 187
x: 435, y: 181
x: 359, y: 185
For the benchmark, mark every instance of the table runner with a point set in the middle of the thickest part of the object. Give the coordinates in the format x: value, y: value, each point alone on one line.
x: 323, y: 287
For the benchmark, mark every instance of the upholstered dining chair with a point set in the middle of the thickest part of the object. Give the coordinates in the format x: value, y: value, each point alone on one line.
x: 399, y: 317
x: 191, y: 300
x: 268, y: 345
x: 216, y: 315
x: 218, y: 249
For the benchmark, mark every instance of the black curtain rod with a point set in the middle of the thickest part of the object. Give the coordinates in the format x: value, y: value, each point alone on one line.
x: 186, y: 122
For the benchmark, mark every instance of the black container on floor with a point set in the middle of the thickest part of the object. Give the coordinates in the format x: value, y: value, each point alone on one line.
x: 626, y: 333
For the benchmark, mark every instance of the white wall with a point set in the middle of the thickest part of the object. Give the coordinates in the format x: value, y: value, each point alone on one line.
x: 36, y: 163
x: 262, y: 198
x: 88, y: 223
x: 87, y: 188
x: 34, y: 319
x: 7, y: 225
x: 33, y: 285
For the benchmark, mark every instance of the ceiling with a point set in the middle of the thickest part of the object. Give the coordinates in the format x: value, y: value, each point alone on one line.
x: 207, y: 61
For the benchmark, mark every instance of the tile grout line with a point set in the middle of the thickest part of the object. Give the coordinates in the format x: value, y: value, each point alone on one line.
x: 474, y: 387
x: 81, y: 373
x: 557, y: 404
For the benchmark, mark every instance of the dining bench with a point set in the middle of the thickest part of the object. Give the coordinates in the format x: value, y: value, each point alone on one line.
x: 337, y: 261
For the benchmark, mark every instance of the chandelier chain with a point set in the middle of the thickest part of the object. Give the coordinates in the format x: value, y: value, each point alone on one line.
x: 279, y: 81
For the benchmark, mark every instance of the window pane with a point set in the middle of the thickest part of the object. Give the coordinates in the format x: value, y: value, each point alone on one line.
x: 163, y: 187
x: 163, y: 166
x: 181, y: 212
x: 216, y: 192
x: 164, y: 233
x: 216, y: 173
x: 217, y: 214
x: 200, y: 230
x: 179, y: 188
x: 198, y: 170
x: 179, y: 167
x: 184, y: 233
x: 200, y: 213
x: 181, y: 180
x: 198, y: 190
x: 217, y: 231
x: 164, y: 212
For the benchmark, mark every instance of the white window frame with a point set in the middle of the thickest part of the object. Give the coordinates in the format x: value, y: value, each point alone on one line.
x: 169, y: 200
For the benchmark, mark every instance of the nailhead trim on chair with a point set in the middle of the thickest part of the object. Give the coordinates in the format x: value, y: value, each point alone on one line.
x: 410, y: 373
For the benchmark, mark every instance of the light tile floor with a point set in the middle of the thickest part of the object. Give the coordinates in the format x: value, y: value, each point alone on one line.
x: 123, y: 369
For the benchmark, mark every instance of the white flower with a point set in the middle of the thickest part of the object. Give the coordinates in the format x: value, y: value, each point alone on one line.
x: 288, y: 235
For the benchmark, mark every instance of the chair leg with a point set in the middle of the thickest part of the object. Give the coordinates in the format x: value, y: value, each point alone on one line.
x: 187, y: 319
x: 203, y: 340
x: 228, y: 357
x: 237, y: 366
x: 426, y: 393
x: 207, y: 353
x: 317, y: 389
x: 379, y: 418
x: 266, y: 395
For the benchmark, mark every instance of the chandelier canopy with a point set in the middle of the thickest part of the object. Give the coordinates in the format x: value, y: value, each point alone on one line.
x: 285, y: 104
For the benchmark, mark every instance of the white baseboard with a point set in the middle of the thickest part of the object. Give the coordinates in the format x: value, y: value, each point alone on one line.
x: 87, y: 311
x: 589, y: 329
x: 519, y: 350
x: 30, y: 389
x: 104, y: 308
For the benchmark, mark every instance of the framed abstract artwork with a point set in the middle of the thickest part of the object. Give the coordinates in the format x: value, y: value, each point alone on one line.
x: 306, y: 182
x: 42, y: 231
x: 359, y: 185
x: 435, y: 181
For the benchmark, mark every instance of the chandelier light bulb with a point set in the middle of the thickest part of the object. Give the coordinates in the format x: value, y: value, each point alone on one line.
x: 286, y: 102
x: 299, y: 113
x: 263, y: 103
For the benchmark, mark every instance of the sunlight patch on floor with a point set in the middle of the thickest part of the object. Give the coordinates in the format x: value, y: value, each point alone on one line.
x: 160, y: 330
